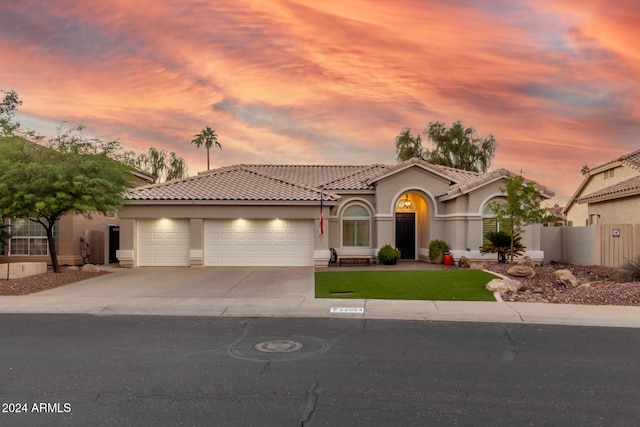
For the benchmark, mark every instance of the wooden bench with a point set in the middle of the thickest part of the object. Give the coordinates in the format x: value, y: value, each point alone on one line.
x: 355, y: 259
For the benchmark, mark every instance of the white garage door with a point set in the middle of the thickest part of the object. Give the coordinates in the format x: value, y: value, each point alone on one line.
x: 163, y: 242
x: 253, y: 242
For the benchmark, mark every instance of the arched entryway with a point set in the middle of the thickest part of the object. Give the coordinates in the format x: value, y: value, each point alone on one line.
x: 411, y: 225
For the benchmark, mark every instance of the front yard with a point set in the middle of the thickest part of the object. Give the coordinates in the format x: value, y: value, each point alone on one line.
x: 443, y: 285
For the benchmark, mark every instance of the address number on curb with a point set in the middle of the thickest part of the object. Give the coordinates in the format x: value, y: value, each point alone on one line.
x: 346, y: 310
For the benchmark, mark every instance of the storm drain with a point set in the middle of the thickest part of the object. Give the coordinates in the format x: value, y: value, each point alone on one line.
x: 279, y: 346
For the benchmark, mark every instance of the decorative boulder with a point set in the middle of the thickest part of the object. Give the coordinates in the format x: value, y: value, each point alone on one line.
x: 526, y: 261
x: 478, y: 266
x: 566, y: 275
x: 90, y: 268
x: 521, y: 271
x: 503, y: 285
x: 463, y: 262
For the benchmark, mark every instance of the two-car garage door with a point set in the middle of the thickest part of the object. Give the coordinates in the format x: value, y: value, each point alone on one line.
x: 258, y: 242
x: 228, y: 242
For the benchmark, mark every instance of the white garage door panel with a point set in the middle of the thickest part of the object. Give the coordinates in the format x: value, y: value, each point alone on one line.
x: 258, y: 243
x: 163, y: 242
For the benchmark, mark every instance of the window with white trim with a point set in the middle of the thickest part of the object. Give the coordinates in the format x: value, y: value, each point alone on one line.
x: 356, y: 225
x: 29, y: 237
x: 490, y: 223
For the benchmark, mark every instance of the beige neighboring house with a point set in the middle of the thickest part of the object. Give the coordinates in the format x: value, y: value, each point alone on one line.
x: 609, y: 194
x: 270, y: 215
x: 28, y: 241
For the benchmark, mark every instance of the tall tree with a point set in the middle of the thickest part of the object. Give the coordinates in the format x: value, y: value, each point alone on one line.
x: 522, y: 207
x: 408, y: 146
x: 162, y: 167
x: 8, y: 106
x: 459, y: 147
x: 208, y: 138
x: 67, y: 177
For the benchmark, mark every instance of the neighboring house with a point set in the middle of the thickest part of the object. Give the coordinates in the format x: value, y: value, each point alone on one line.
x: 609, y: 194
x: 555, y: 217
x: 269, y: 215
x: 28, y: 241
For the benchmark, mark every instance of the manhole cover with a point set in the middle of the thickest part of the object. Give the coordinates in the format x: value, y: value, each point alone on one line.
x: 276, y: 349
x: 279, y: 346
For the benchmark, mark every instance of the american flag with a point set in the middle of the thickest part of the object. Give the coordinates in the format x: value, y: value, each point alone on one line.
x: 321, y: 218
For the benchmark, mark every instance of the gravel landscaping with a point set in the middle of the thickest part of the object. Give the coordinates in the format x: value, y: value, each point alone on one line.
x: 597, y: 286
x: 43, y: 282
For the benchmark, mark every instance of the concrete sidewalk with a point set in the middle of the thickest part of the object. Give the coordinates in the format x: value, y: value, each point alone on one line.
x: 275, y: 292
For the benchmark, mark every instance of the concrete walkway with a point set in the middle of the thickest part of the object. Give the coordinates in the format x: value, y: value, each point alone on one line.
x: 280, y: 292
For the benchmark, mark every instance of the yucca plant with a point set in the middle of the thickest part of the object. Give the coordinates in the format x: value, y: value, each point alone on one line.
x: 500, y: 243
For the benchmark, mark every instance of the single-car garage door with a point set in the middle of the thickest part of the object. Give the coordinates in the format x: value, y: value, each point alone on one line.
x: 258, y: 242
x: 163, y: 242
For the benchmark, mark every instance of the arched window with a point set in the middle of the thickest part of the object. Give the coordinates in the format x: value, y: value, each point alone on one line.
x: 356, y: 225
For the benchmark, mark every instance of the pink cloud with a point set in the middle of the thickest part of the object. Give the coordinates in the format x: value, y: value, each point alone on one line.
x: 335, y: 82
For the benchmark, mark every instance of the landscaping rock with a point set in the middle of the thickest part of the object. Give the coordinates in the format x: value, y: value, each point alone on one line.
x: 503, y: 285
x: 478, y: 266
x: 464, y: 262
x: 526, y: 261
x: 90, y: 268
x: 566, y: 275
x: 521, y: 271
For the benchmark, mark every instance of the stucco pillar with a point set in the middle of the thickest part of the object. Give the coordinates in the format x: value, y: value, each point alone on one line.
x: 126, y: 253
x: 196, y: 239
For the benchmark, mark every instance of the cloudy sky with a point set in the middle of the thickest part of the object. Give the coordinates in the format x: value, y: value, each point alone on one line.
x: 555, y: 81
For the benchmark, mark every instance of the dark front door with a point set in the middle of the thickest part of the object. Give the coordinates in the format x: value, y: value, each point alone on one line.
x: 406, y: 235
x: 114, y: 243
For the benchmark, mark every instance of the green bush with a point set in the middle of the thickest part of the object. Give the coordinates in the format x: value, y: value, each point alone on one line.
x: 388, y: 255
x: 437, y: 248
x: 631, y: 271
x: 500, y: 243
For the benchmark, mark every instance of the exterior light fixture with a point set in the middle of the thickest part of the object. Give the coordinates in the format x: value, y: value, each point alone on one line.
x: 405, y: 203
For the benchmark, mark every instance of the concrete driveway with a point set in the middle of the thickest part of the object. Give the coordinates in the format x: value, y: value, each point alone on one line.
x: 185, y: 282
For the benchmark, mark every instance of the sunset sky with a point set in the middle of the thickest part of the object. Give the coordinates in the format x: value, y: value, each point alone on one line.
x: 556, y: 82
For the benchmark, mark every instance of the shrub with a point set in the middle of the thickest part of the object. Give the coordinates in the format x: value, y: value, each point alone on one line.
x: 388, y: 255
x: 500, y: 243
x: 631, y: 271
x: 437, y: 248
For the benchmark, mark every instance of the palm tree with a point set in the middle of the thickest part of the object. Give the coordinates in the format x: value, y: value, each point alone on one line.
x: 208, y: 138
x: 500, y: 243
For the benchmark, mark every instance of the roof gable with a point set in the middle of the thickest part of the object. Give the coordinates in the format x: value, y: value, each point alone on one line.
x: 449, y: 174
x: 631, y: 160
x: 628, y: 187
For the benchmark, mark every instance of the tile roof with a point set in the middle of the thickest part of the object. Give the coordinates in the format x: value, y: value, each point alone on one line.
x: 631, y: 160
x: 626, y: 187
x: 298, y: 182
x: 232, y: 183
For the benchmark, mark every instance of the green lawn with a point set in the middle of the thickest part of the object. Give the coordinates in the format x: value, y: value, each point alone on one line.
x: 443, y: 285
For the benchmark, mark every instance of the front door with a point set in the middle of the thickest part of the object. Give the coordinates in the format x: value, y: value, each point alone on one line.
x: 406, y: 234
x: 114, y: 243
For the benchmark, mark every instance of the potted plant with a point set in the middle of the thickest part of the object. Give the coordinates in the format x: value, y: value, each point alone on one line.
x: 388, y: 255
x: 437, y: 248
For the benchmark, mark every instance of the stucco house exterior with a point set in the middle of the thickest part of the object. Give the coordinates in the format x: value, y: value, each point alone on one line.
x: 270, y: 215
x: 608, y: 194
x: 28, y: 241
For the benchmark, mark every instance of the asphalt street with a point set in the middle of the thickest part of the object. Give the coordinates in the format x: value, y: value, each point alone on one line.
x: 83, y: 370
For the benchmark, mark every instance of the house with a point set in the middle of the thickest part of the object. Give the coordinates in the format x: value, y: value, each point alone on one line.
x: 28, y: 241
x: 270, y: 215
x: 609, y: 194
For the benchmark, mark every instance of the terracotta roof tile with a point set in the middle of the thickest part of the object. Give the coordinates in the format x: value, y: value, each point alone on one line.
x: 631, y: 185
x: 297, y: 182
x: 230, y: 183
